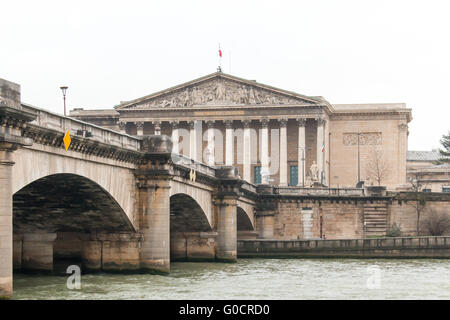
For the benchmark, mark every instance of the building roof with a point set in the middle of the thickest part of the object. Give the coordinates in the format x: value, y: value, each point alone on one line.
x: 369, y: 106
x: 433, y: 155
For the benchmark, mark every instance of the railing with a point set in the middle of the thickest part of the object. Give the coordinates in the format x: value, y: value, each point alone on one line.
x: 182, y: 160
x: 54, y: 121
x: 249, y: 187
x: 319, y: 191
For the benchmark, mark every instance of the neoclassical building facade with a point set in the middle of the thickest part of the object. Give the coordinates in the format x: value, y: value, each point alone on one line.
x: 272, y: 135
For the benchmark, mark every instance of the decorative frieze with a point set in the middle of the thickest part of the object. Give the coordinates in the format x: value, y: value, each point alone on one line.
x: 365, y: 138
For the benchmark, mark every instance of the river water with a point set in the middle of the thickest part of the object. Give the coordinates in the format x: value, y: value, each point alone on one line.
x: 257, y: 279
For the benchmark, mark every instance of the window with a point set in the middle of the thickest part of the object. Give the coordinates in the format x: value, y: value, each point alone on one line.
x: 426, y: 190
x: 257, y: 174
x: 445, y: 188
x: 293, y: 176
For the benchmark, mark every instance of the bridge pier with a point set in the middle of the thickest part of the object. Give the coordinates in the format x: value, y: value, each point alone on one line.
x: 37, y: 251
x: 6, y: 226
x: 193, y: 246
x: 227, y: 230
x: 111, y: 252
x: 12, y: 121
x: 226, y: 205
x: 154, y: 203
x: 153, y: 178
x: 265, y: 222
x: 91, y: 254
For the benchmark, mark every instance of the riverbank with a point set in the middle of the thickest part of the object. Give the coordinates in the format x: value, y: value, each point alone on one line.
x: 401, y: 247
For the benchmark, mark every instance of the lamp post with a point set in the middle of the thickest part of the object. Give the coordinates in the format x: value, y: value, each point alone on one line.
x: 64, y: 89
x: 359, y: 175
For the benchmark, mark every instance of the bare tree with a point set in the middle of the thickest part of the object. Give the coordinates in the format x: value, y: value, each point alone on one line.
x: 437, y: 223
x: 377, y: 167
x: 418, y: 202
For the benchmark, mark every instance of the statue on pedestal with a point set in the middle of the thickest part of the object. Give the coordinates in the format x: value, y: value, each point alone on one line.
x: 314, y: 172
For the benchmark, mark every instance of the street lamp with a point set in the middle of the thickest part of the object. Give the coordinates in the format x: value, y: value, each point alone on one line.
x: 359, y: 175
x: 64, y: 89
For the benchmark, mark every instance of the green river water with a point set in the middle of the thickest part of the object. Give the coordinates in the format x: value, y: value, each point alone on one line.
x: 257, y: 279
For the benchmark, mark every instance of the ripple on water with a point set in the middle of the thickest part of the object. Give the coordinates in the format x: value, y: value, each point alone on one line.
x: 256, y: 279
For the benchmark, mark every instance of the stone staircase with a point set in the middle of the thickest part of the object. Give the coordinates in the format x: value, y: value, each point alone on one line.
x: 375, y: 219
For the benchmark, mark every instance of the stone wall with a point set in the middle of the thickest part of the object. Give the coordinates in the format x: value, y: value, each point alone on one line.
x: 413, y: 247
x: 329, y: 219
x: 315, y: 217
x: 403, y: 211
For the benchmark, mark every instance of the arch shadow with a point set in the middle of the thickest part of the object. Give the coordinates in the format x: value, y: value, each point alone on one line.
x: 243, y: 221
x: 186, y: 215
x: 67, y: 203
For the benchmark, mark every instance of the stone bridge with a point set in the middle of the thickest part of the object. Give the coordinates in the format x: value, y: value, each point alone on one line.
x: 111, y: 202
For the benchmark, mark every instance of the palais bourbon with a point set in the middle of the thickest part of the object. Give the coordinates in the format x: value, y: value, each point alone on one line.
x: 272, y: 136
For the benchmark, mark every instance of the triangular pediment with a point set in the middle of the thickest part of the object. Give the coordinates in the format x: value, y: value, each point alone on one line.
x: 219, y: 89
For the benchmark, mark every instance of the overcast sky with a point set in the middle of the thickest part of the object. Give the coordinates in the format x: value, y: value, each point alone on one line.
x: 345, y: 51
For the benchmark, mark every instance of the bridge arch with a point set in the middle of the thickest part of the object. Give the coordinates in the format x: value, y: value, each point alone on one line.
x: 186, y: 215
x: 244, y: 223
x: 33, y: 164
x: 200, y: 194
x: 67, y: 203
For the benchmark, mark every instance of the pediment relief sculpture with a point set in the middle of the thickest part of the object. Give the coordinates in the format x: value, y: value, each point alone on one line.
x: 218, y: 92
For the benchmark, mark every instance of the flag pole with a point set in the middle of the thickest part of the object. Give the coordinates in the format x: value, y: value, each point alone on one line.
x: 220, y: 58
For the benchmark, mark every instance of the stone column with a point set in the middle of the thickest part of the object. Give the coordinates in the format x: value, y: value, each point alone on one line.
x: 226, y: 204
x: 192, y: 141
x: 211, y: 144
x: 229, y: 152
x: 175, y: 137
x: 122, y: 126
x: 402, y: 152
x: 139, y: 128
x: 227, y: 230
x: 265, y: 173
x: 120, y: 252
x: 301, y: 151
x: 247, y: 167
x: 13, y: 119
x: 6, y: 224
x: 37, y: 254
x: 320, y: 143
x: 154, y: 181
x: 154, y: 200
x: 91, y: 254
x: 157, y: 125
x: 283, y: 153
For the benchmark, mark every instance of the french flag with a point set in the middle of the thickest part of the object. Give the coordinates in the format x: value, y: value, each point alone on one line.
x: 323, y: 147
